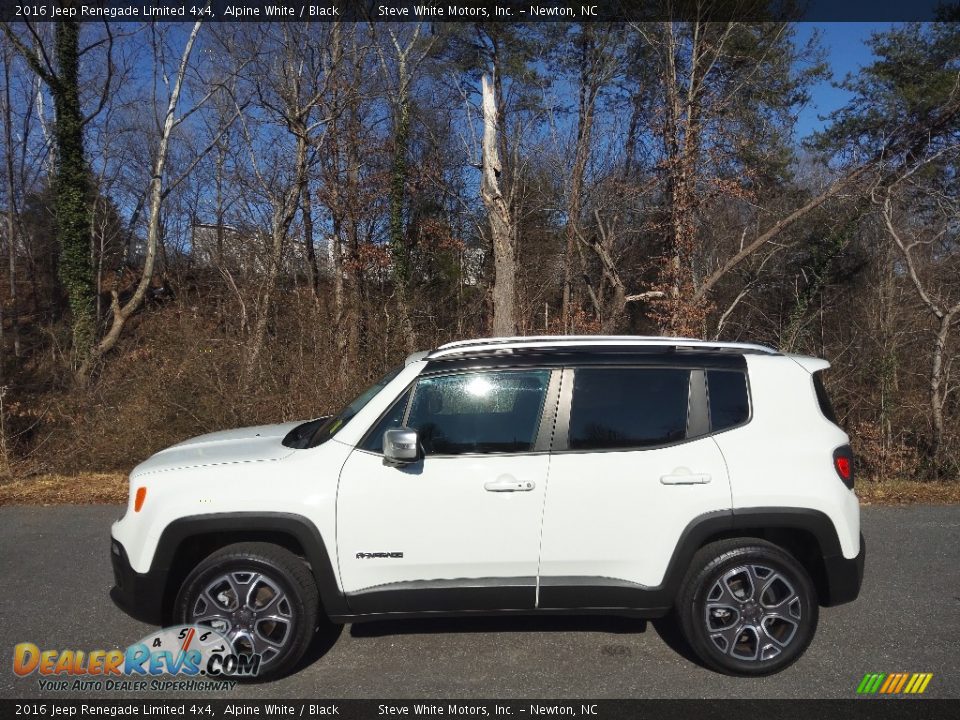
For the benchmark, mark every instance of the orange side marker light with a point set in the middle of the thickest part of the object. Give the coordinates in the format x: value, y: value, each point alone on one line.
x: 138, y: 501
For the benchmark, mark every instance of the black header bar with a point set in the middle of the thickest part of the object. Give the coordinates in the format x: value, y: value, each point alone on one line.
x: 862, y: 709
x: 437, y: 11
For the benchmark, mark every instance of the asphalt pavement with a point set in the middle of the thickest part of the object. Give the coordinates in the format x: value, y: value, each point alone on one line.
x: 54, y: 563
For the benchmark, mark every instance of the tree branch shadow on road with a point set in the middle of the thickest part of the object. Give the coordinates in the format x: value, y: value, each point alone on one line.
x: 669, y: 631
x: 666, y: 628
x: 324, y: 639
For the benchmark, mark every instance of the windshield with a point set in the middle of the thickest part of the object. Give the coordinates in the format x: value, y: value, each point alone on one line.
x: 316, y: 432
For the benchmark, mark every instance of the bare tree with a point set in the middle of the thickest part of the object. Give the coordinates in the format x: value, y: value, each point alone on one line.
x: 12, y: 212
x: 61, y: 75
x: 290, y: 96
x: 157, y: 191
x: 502, y: 230
x: 344, y: 190
x: 400, y: 69
x: 599, y: 64
x: 935, y: 298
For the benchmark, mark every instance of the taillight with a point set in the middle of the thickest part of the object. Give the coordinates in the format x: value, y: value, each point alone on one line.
x: 843, y: 468
x: 843, y: 464
x: 138, y: 500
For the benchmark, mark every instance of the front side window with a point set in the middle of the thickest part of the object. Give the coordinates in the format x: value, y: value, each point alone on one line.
x: 616, y: 408
x: 479, y: 412
x: 391, y: 420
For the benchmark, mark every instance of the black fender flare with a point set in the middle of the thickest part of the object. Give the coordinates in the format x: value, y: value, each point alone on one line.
x: 298, y: 527
x: 842, y: 585
x: 757, y: 520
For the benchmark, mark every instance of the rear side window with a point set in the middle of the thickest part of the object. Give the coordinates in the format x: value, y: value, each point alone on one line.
x: 628, y: 407
x: 826, y: 407
x: 729, y: 405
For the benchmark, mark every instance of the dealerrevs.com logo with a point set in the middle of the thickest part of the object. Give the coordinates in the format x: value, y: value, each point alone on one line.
x: 190, y: 651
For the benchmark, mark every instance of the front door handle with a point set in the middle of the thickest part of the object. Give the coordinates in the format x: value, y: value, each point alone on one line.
x: 683, y: 476
x: 509, y: 484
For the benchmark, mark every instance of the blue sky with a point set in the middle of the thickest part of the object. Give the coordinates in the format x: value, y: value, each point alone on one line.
x: 846, y: 52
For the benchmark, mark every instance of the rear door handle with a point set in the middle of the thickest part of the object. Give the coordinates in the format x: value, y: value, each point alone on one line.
x: 682, y: 476
x: 509, y: 484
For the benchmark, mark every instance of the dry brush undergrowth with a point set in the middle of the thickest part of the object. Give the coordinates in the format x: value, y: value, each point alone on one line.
x: 178, y: 374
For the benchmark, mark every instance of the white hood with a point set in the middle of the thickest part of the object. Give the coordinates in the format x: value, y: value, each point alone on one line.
x: 252, y: 444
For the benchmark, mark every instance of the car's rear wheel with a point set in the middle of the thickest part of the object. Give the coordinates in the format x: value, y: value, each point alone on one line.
x: 747, y: 607
x: 259, y: 596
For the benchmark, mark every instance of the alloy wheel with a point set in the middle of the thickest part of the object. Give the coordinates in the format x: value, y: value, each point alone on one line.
x: 752, y: 613
x: 250, y: 609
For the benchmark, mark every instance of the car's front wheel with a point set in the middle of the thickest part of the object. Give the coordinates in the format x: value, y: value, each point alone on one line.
x: 261, y: 597
x: 747, y: 607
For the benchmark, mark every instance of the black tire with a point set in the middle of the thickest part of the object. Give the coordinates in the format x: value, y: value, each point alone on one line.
x: 281, y: 573
x: 741, y: 633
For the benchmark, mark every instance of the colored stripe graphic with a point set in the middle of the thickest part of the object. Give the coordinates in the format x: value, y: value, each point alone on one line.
x: 894, y: 683
x: 899, y: 687
x: 871, y: 683
x: 890, y: 682
x: 918, y: 683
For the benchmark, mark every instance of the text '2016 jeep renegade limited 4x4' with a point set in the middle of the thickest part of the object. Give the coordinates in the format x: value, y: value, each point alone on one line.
x: 618, y: 475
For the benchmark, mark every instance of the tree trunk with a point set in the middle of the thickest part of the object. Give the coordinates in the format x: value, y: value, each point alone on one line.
x: 306, y: 209
x: 336, y: 203
x: 399, y: 252
x: 945, y: 315
x: 72, y: 185
x: 682, y: 314
x: 11, y: 208
x: 586, y: 105
x: 501, y: 225
x: 283, y: 217
x: 634, y: 128
x: 937, y: 391
x: 355, y: 329
x: 335, y: 250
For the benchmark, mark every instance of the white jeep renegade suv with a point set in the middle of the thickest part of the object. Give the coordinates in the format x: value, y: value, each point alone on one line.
x: 617, y: 475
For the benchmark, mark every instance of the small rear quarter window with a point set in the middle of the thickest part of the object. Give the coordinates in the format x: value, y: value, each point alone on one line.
x: 826, y: 407
x: 729, y: 404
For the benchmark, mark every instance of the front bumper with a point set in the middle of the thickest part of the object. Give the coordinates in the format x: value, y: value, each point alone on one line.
x: 139, y: 595
x: 844, y: 577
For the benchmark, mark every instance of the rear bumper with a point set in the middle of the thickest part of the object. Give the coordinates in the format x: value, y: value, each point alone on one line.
x: 844, y: 577
x: 138, y: 595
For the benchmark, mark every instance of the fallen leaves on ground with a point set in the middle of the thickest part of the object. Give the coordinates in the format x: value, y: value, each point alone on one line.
x: 908, y: 492
x: 83, y: 489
